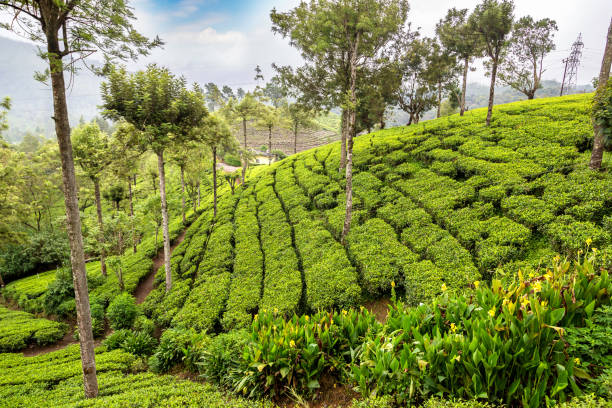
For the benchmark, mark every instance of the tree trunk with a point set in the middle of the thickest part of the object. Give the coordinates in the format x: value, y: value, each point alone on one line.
x: 214, y: 171
x: 343, y: 126
x: 199, y: 195
x: 492, y: 92
x: 295, y: 133
x: 132, y: 215
x: 466, y: 62
x: 244, y: 156
x: 1, y: 281
x: 183, y: 194
x: 439, y: 99
x: 73, y: 218
x: 100, y: 226
x: 349, y: 143
x: 164, y: 209
x: 604, y: 74
x: 269, y: 146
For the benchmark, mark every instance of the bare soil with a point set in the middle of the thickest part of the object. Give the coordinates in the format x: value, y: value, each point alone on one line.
x: 146, y: 286
x: 380, y: 308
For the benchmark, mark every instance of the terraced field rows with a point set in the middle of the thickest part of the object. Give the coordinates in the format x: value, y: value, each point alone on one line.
x: 444, y: 202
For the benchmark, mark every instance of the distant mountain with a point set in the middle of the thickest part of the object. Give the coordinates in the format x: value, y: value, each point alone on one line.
x: 32, y: 105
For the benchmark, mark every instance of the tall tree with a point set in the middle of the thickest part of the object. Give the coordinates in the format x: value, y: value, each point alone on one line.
x: 441, y: 70
x: 275, y: 92
x: 244, y: 111
x: 269, y: 118
x: 377, y: 90
x: 523, y: 63
x: 359, y: 33
x: 215, y: 133
x: 214, y: 96
x: 163, y: 111
x: 417, y: 93
x: 179, y: 154
x: 91, y: 152
x: 602, y: 108
x: 75, y: 30
x: 492, y: 20
x: 125, y: 157
x: 460, y: 39
x: 299, y: 117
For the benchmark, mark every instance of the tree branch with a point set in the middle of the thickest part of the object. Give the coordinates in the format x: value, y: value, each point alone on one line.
x: 19, y: 9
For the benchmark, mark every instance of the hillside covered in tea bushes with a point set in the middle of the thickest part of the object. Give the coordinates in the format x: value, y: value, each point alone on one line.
x: 440, y: 204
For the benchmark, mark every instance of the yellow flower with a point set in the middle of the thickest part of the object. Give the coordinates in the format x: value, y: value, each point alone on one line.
x: 549, y: 275
x: 577, y: 361
x: 594, y: 249
x: 292, y: 343
x: 520, y: 275
x: 589, y: 241
x: 476, y: 284
x: 444, y: 288
x: 511, y: 307
x: 453, y: 327
x: 492, y: 312
x: 392, y: 284
x: 531, y: 275
x: 524, y: 301
x: 256, y: 316
x: 537, y: 287
x: 275, y: 310
x: 344, y: 312
x: 361, y: 308
x: 457, y: 358
x: 306, y: 317
x: 544, y: 303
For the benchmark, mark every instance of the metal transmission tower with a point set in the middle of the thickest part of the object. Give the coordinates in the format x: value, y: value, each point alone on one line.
x: 570, y: 75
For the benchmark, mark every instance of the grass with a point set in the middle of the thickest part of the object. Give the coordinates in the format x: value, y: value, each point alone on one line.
x: 20, y: 329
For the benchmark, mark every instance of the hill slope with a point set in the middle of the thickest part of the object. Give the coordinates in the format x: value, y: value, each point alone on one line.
x: 444, y: 202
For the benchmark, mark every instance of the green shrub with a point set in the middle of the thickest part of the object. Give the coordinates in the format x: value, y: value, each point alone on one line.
x: 139, y: 344
x: 221, y: 359
x: 170, y: 350
x: 116, y: 339
x: 122, y: 312
x: 97, y: 319
x: 144, y: 325
x: 232, y: 160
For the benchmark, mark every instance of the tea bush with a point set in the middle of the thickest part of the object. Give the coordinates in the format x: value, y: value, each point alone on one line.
x: 21, y: 329
x: 122, y: 312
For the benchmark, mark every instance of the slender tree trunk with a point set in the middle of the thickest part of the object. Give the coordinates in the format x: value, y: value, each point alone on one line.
x: 439, y: 99
x: 73, y: 218
x: 269, y: 146
x: 604, y: 74
x: 132, y: 215
x: 214, y: 171
x: 134, y: 180
x: 96, y: 182
x: 492, y: 92
x: 244, y: 156
x: 199, y: 194
x: 164, y: 209
x: 349, y: 143
x: 343, y: 126
x: 466, y: 62
x: 183, y: 194
x: 1, y: 281
x: 295, y: 133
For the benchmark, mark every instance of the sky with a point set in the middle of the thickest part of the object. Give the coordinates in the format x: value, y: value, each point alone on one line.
x: 222, y: 41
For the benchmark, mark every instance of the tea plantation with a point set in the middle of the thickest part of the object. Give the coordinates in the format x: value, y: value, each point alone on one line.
x: 440, y: 204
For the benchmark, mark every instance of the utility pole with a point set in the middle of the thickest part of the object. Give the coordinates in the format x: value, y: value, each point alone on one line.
x: 570, y: 74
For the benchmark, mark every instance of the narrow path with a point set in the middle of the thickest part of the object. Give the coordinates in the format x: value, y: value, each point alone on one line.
x: 142, y: 291
x: 146, y: 286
